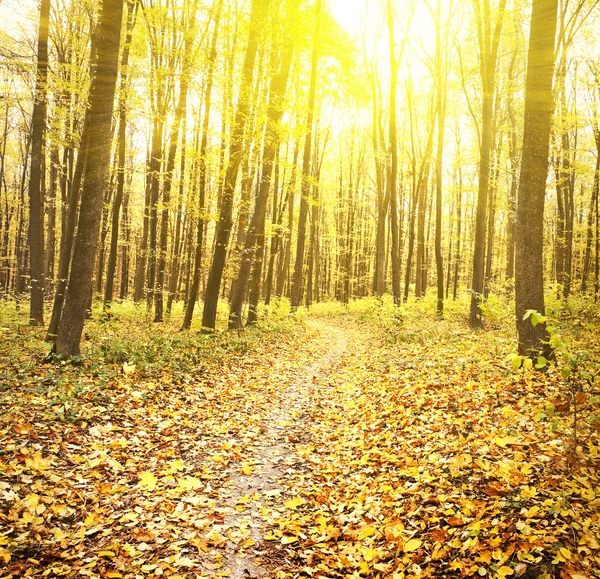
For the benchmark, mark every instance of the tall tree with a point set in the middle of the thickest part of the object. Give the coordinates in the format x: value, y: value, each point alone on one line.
x: 98, y: 118
x: 121, y: 149
x: 36, y: 196
x: 223, y: 231
x: 202, y: 181
x: 296, y: 293
x: 256, y: 228
x: 488, y: 34
x: 393, y: 171
x: 539, y: 105
x: 180, y: 111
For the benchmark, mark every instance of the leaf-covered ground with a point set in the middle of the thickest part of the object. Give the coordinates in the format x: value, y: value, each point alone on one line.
x: 353, y: 445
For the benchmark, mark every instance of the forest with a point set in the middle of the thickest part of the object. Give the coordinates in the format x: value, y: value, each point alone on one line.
x: 300, y: 288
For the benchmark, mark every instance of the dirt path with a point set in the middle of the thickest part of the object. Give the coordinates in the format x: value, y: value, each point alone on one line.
x: 274, y: 460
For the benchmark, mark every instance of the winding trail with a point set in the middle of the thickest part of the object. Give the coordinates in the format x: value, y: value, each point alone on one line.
x: 274, y: 459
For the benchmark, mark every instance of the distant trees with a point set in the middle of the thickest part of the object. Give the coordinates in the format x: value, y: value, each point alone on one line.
x: 256, y: 152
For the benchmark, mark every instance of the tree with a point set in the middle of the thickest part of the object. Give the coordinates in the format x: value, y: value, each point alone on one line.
x: 296, y: 293
x: 256, y: 228
x: 393, y: 172
x: 489, y: 42
x: 539, y: 105
x: 36, y: 175
x: 116, y: 209
x: 180, y: 111
x: 189, y: 310
x: 223, y: 231
x: 98, y: 118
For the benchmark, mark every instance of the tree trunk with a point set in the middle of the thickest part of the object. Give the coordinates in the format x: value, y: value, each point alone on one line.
x: 393, y: 181
x: 36, y: 197
x: 296, y: 293
x: 256, y: 228
x: 180, y: 111
x: 98, y: 119
x: 441, y: 118
x: 116, y: 209
x: 590, y: 222
x: 195, y: 285
x: 529, y: 274
x: 68, y: 235
x: 488, y: 56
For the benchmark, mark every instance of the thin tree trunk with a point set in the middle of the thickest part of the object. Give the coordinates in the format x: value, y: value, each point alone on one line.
x: 180, y: 111
x: 441, y: 118
x: 122, y: 134
x: 393, y: 181
x: 592, y: 209
x: 36, y: 197
x: 296, y: 293
x: 256, y: 228
x: 202, y: 181
x: 488, y: 55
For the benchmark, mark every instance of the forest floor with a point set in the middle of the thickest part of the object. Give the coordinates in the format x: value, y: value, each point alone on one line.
x: 350, y: 443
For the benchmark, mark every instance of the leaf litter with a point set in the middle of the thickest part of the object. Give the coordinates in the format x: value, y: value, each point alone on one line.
x: 330, y: 452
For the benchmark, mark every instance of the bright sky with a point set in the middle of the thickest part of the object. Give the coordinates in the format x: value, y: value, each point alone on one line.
x: 348, y: 13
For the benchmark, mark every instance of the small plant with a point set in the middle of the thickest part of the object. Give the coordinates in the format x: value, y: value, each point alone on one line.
x: 579, y: 399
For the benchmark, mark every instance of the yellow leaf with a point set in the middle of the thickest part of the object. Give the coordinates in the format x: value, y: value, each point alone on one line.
x: 565, y: 553
x: 128, y: 369
x: 23, y: 428
x: 148, y: 481
x: 106, y: 554
x: 38, y: 462
x: 588, y: 494
x: 114, y: 575
x: 503, y: 441
x: 189, y: 483
x: 366, y: 532
x: 294, y: 503
x: 412, y: 545
x: 504, y: 571
x: 286, y: 540
x: 579, y: 576
x: 246, y: 468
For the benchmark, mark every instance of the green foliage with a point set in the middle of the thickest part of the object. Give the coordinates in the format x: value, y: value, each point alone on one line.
x: 574, y: 414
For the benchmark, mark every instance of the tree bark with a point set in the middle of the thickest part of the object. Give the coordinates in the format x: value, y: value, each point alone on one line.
x: 101, y: 99
x: 296, y: 293
x: 195, y: 285
x: 489, y: 43
x: 529, y: 274
x: 36, y: 196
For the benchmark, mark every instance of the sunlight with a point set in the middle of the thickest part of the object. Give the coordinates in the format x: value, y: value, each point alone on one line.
x: 366, y: 21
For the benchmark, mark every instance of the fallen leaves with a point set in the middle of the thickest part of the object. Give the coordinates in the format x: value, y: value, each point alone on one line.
x: 397, y: 466
x: 148, y: 481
